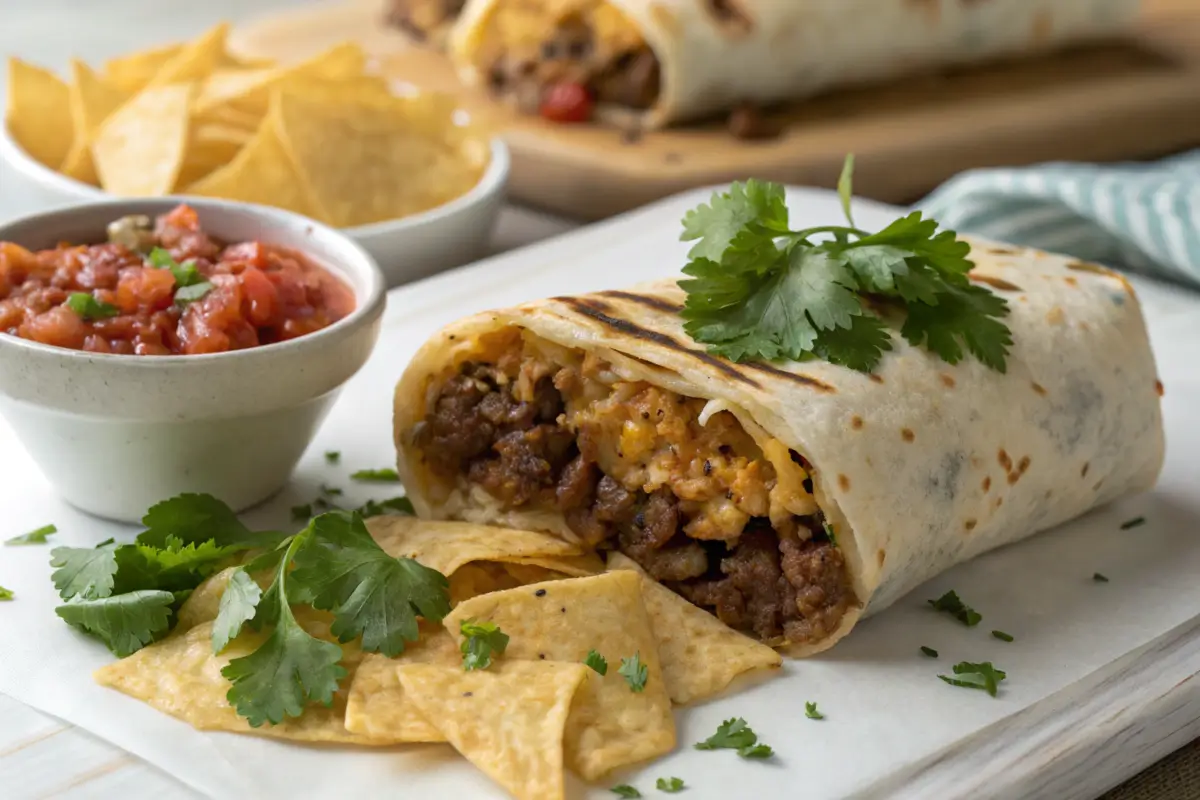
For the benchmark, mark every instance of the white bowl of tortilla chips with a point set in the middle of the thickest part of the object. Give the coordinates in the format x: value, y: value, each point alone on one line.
x: 407, y: 176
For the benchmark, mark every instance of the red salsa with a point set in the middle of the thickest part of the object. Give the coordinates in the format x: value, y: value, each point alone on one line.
x: 165, y: 287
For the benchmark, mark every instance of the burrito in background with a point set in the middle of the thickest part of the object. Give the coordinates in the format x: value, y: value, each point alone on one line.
x: 659, y: 62
x: 788, y: 499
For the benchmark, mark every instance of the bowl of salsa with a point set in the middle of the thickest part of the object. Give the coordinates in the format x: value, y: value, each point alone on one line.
x: 153, y: 347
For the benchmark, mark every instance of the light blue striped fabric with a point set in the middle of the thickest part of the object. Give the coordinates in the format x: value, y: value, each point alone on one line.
x: 1141, y: 217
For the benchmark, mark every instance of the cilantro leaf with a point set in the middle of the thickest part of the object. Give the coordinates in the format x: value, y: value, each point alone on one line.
x: 669, y: 785
x: 480, y: 640
x: 845, y: 187
x: 1002, y: 636
x: 238, y: 604
x: 190, y: 284
x: 124, y: 622
x: 745, y: 208
x: 859, y: 347
x: 756, y: 751
x: 33, y: 537
x: 89, y: 308
x: 976, y: 676
x: 625, y: 790
x: 955, y: 607
x: 810, y: 711
x: 929, y: 651
x: 963, y: 315
x: 1133, y: 523
x: 291, y: 668
x: 301, y: 513
x: 384, y: 475
x: 1098, y: 578
x: 86, y: 572
x: 198, y: 518
x: 5, y: 594
x: 332, y: 456
x: 731, y: 734
x: 634, y: 672
x: 371, y: 594
x: 190, y: 294
x: 393, y: 505
x: 597, y: 662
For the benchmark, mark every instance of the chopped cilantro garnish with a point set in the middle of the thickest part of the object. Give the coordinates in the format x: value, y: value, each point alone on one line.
x: 669, y: 785
x: 634, y: 672
x: 952, y: 605
x: 1002, y: 636
x: 33, y: 537
x: 330, y: 491
x: 735, y: 734
x: 393, y: 505
x: 625, y: 790
x: 480, y: 640
x: 5, y: 594
x: 384, y: 475
x: 1098, y: 578
x: 1133, y: 523
x: 829, y: 533
x: 810, y: 711
x: 89, y: 308
x: 976, y: 676
x: 332, y: 456
x: 190, y: 283
x: 929, y: 651
x: 302, y: 512
x: 596, y: 662
x: 759, y: 290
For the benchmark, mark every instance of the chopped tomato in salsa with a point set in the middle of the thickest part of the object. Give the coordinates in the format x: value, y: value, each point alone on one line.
x: 165, y: 287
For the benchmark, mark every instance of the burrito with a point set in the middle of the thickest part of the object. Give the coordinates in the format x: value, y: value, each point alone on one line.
x: 657, y: 62
x: 787, y: 498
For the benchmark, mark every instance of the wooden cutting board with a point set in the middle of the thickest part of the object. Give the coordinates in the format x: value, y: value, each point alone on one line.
x: 1134, y: 99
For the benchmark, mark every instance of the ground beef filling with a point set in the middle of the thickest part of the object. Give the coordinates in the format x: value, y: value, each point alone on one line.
x: 784, y: 581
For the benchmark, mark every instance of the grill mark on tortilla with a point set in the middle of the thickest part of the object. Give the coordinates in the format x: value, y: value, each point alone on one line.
x: 656, y: 303
x: 995, y: 283
x: 856, y: 422
x: 803, y: 380
x: 596, y: 310
x: 843, y: 482
x: 876, y: 378
x: 969, y: 525
x: 944, y: 481
x: 1158, y: 388
x: 1037, y: 387
x: 987, y: 483
x: 1004, y: 460
x: 1086, y: 466
x: 907, y: 435
x: 948, y: 380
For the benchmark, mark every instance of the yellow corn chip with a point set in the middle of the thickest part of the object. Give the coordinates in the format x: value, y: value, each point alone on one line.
x: 130, y: 73
x: 230, y: 117
x: 610, y: 725
x: 446, y: 546
x: 260, y: 173
x: 195, y: 60
x: 210, y: 147
x: 250, y: 90
x: 480, y: 577
x: 507, y: 720
x: 93, y: 100
x: 180, y: 676
x: 203, y: 603
x: 378, y: 707
x: 575, y: 566
x: 700, y: 654
x: 39, y: 112
x: 139, y: 150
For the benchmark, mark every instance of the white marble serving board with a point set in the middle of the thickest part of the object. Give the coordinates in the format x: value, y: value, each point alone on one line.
x: 1099, y: 675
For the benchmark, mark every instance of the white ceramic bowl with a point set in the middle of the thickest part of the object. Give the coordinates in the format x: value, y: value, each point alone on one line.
x: 406, y: 249
x: 117, y: 434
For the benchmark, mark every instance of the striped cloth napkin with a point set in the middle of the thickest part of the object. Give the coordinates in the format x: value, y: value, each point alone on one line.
x: 1143, y: 217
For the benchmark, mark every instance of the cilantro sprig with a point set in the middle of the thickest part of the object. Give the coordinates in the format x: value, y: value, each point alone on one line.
x: 89, y: 308
x: 953, y: 605
x: 634, y: 671
x: 37, y: 536
x: 760, y: 290
x: 810, y: 711
x: 670, y: 785
x: 190, y: 283
x: 596, y: 662
x: 480, y: 641
x: 383, y: 475
x: 735, y: 734
x: 976, y: 676
x: 5, y: 594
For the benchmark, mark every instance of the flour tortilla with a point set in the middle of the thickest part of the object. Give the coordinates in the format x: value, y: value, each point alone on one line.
x: 771, y: 51
x: 919, y: 467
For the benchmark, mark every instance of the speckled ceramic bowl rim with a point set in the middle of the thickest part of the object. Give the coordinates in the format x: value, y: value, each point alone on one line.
x: 360, y: 268
x: 493, y: 180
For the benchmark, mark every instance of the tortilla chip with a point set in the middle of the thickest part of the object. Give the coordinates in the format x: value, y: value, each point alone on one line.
x: 139, y: 150
x: 610, y: 725
x: 575, y: 566
x: 39, y: 112
x: 230, y: 117
x: 93, y: 100
x: 261, y: 173
x: 195, y: 60
x: 480, y: 577
x: 355, y: 181
x: 180, y: 676
x: 700, y: 654
x: 377, y: 706
x: 507, y: 720
x: 250, y: 90
x: 203, y: 603
x: 210, y: 147
x: 130, y: 73
x: 446, y: 546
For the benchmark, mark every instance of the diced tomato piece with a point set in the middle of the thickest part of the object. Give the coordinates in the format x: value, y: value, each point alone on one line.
x: 261, y: 297
x: 60, y: 326
x: 151, y: 289
x: 183, y: 217
x: 247, y: 254
x: 567, y: 102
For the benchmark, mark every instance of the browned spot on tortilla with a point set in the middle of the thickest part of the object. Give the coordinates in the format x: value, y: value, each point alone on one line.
x: 804, y: 380
x: 732, y: 20
x: 969, y: 525
x: 1005, y: 461
x: 843, y: 482
x: 1086, y: 466
x: 1043, y: 27
x: 880, y: 556
x: 649, y: 301
x: 930, y: 8
x: 1055, y: 316
x: 1037, y: 387
x: 1099, y: 483
x: 876, y: 378
x: 856, y: 422
x: 1071, y: 281
x: 1049, y: 492
x: 1023, y: 299
x: 987, y: 483
x: 1083, y: 326
x: 995, y: 283
x: 595, y: 310
x: 1023, y: 464
x: 999, y: 502
x: 948, y: 380
x: 907, y: 435
x: 1158, y: 388
x: 1095, y: 269
x: 976, y: 462
x: 1002, y: 251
